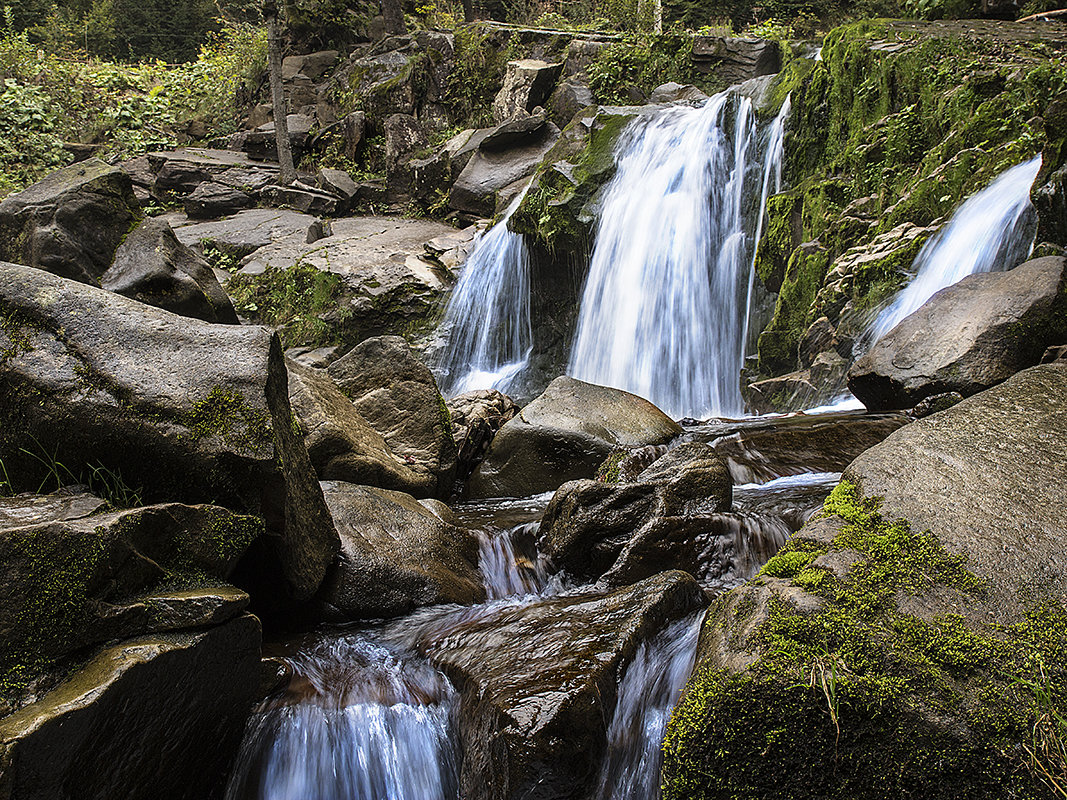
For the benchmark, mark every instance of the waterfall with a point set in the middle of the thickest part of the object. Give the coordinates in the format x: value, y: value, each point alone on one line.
x: 985, y: 233
x: 665, y: 305
x: 487, y: 320
x: 510, y: 563
x: 359, y: 722
x: 647, y: 693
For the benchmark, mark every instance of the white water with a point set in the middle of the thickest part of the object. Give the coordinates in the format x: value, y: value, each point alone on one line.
x: 487, y: 320
x: 367, y: 724
x: 647, y: 693
x: 665, y: 306
x: 982, y: 235
x: 508, y: 570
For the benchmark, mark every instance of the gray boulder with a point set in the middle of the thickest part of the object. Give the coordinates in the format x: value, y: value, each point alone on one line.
x: 154, y: 717
x: 533, y: 720
x: 734, y: 60
x: 179, y: 172
x: 397, y: 395
x: 527, y: 84
x: 243, y: 233
x: 341, y: 444
x: 565, y: 434
x: 570, y: 97
x: 967, y: 337
x: 187, y: 410
x: 71, y: 221
x: 396, y: 556
x: 676, y: 93
x: 211, y: 200
x: 151, y: 266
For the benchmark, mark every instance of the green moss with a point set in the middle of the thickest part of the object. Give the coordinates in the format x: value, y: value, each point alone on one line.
x: 608, y: 471
x: 16, y: 328
x: 225, y: 413
x: 780, y: 340
x: 229, y: 535
x: 855, y: 698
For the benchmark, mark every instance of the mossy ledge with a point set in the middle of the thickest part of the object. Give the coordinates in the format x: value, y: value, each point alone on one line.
x: 829, y: 676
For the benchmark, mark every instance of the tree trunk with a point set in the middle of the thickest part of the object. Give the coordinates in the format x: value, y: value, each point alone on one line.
x: 393, y: 12
x: 468, y: 10
x: 287, y: 174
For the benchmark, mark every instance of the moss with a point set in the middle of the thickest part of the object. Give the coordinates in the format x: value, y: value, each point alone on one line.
x: 229, y: 535
x: 854, y: 698
x: 608, y: 471
x: 225, y: 413
x: 16, y: 328
x: 779, y: 343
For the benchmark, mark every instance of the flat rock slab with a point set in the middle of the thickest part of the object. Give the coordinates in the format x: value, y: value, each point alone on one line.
x: 33, y: 509
x: 244, y: 232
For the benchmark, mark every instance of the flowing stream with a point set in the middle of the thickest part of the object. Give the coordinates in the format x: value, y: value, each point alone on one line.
x: 986, y: 233
x: 665, y: 305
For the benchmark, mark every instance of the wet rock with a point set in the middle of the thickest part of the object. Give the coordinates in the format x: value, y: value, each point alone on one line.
x: 212, y: 200
x: 735, y: 60
x: 186, y: 410
x: 388, y: 282
x: 790, y: 392
x: 151, y: 266
x: 538, y: 683
x: 490, y: 171
x: 793, y: 445
x: 818, y: 338
x: 967, y: 337
x: 570, y: 97
x: 31, y: 509
x: 975, y: 489
x: 565, y: 434
x: 396, y: 556
x: 245, y: 232
x: 398, y: 396
x: 676, y: 93
x: 105, y: 730
x: 592, y: 528
x: 528, y: 83
x: 341, y: 444
x: 476, y: 418
x: 1049, y: 193
x: 71, y: 221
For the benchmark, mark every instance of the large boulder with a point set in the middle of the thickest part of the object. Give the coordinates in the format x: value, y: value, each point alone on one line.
x: 244, y: 232
x: 398, y: 396
x: 187, y: 410
x: 528, y: 83
x: 734, y: 60
x: 341, y: 444
x: 71, y: 221
x: 66, y: 580
x: 154, y: 717
x: 179, y: 172
x: 538, y: 683
x: 565, y: 434
x: 396, y: 556
x: 593, y: 528
x: 908, y: 643
x: 967, y: 337
x: 153, y: 267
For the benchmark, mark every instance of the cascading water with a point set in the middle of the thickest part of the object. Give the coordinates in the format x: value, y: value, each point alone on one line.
x: 510, y: 563
x: 665, y: 304
x: 985, y: 232
x: 487, y: 320
x: 647, y: 693
x: 363, y: 723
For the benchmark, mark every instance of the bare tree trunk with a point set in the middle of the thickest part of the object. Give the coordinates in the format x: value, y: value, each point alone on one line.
x: 287, y: 174
x: 468, y: 10
x: 393, y: 12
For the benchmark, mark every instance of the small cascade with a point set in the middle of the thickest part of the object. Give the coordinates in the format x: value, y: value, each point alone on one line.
x: 510, y: 563
x: 665, y: 305
x: 649, y: 689
x: 359, y: 722
x: 487, y: 321
x: 988, y: 231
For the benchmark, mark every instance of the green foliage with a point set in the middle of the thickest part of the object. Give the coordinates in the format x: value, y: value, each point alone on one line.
x: 477, y: 75
x: 641, y: 62
x: 104, y: 482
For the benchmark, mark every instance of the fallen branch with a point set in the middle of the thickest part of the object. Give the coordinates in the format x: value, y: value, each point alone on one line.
x: 1057, y: 13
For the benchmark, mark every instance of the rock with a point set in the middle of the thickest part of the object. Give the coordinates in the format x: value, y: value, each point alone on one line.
x: 570, y: 97
x: 967, y: 337
x: 1053, y: 354
x: 212, y: 200
x: 514, y: 132
x: 1049, y: 192
x: 316, y: 357
x: 353, y: 128
x: 819, y: 337
x: 398, y: 397
x: 70, y: 583
x: 339, y: 183
x: 565, y: 434
x: 763, y: 450
x: 71, y: 221
x: 262, y: 145
x: 527, y: 85
x: 952, y: 530
x: 676, y: 93
x: 935, y: 403
x: 593, y: 529
x: 187, y: 410
x: 341, y: 444
x: 153, y: 267
x: 179, y: 172
x: 156, y: 717
x: 300, y: 197
x: 312, y: 65
x: 790, y: 392
x: 388, y: 283
x: 396, y: 556
x: 490, y: 171
x: 476, y: 418
x: 245, y: 232
x: 538, y: 683
x: 735, y: 60
x: 403, y: 136
x: 31, y: 509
